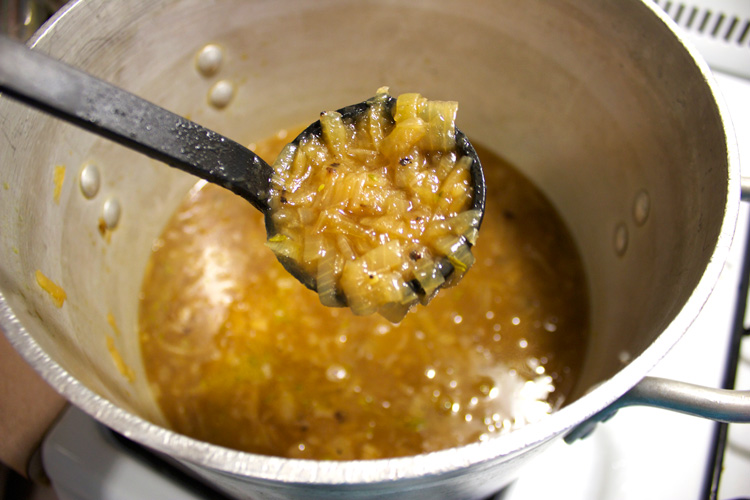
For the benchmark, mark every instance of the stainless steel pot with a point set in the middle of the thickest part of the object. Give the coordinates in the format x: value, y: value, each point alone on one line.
x: 597, y: 101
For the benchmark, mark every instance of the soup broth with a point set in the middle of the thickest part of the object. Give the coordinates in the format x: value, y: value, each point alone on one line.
x: 240, y: 354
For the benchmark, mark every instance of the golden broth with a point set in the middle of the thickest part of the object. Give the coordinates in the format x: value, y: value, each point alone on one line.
x: 242, y: 355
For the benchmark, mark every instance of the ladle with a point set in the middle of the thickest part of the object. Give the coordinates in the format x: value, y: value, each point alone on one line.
x: 104, y: 109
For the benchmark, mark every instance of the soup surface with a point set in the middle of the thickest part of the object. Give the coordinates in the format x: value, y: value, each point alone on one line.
x: 240, y: 354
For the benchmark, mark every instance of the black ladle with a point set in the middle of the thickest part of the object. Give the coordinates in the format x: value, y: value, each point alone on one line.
x: 463, y: 147
x: 99, y: 107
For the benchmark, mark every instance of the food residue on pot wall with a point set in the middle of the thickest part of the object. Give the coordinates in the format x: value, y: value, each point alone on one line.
x: 113, y: 323
x: 55, y: 291
x: 122, y: 367
x: 58, y: 177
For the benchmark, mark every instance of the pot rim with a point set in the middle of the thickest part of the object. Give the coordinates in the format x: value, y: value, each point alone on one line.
x: 298, y: 471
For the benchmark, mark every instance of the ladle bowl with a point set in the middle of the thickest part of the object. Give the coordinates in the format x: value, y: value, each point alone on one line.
x: 463, y: 148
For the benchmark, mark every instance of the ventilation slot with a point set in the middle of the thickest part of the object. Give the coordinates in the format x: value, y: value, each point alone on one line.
x: 719, y: 29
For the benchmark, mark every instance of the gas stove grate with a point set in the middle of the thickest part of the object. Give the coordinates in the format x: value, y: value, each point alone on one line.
x: 719, y: 438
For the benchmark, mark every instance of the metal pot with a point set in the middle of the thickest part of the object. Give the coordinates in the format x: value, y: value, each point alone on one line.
x: 597, y: 101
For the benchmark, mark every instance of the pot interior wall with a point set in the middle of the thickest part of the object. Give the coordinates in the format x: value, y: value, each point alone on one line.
x: 594, y: 109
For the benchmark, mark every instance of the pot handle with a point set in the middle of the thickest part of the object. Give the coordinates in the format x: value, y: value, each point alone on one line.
x: 745, y: 188
x: 722, y: 405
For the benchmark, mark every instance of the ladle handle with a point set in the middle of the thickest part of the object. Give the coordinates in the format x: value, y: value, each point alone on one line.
x: 111, y: 112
